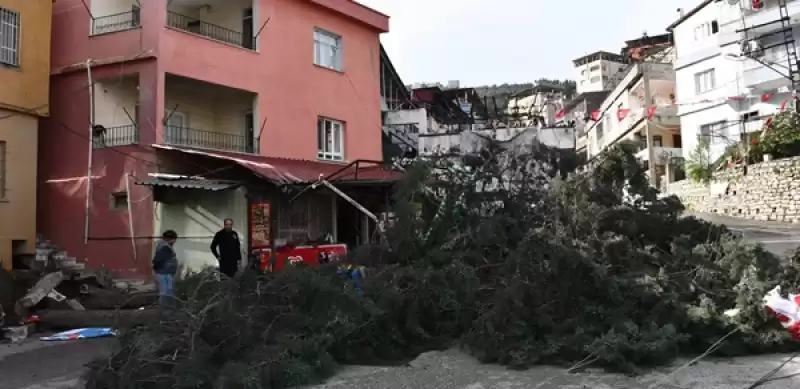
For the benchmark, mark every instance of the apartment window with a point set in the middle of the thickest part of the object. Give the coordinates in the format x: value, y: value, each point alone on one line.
x: 705, y: 30
x: 2, y: 170
x: 658, y: 141
x: 594, y: 80
x: 705, y: 81
x: 328, y: 50
x: 594, y: 68
x: 330, y: 140
x: 175, y: 119
x: 119, y: 201
x: 713, y: 130
x: 9, y: 37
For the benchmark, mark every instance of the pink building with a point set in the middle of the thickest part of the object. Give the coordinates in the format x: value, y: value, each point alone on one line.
x: 249, y: 82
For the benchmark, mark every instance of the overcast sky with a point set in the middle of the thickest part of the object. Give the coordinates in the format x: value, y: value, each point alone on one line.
x: 496, y: 41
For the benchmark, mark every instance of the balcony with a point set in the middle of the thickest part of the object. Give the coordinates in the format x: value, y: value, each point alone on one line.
x: 767, y: 19
x: 203, y: 115
x: 190, y: 137
x: 116, y: 111
x: 114, y: 16
x: 122, y: 21
x: 760, y: 77
x: 117, y: 136
x: 661, y: 153
x: 229, y: 22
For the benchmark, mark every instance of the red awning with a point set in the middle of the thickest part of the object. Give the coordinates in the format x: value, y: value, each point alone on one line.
x: 296, y: 171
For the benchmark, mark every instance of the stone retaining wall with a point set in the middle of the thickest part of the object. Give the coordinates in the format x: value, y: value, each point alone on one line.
x: 769, y: 191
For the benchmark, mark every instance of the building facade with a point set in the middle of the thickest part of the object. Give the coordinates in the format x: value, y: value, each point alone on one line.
x: 594, y: 72
x: 24, y: 88
x: 643, y: 103
x: 733, y: 69
x: 246, y: 79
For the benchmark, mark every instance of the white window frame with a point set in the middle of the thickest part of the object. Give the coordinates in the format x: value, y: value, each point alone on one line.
x: 328, y: 54
x: 330, y: 139
x: 705, y: 81
x: 10, y: 22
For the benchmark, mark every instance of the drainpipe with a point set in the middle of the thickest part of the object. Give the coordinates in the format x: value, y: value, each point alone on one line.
x: 91, y: 153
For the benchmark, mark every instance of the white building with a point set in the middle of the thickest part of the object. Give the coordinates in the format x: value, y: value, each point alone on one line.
x: 721, y: 92
x: 625, y: 115
x: 538, y: 102
x: 594, y: 71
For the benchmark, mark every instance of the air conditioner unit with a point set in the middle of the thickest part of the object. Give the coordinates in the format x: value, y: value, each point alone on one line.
x: 751, y: 48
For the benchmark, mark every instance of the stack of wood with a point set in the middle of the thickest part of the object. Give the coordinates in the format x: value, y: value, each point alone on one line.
x: 56, y: 292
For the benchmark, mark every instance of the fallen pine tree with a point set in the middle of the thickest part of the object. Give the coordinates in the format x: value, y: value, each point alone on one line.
x: 515, y: 258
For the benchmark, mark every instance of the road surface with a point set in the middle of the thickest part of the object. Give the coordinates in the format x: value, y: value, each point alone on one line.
x: 777, y: 237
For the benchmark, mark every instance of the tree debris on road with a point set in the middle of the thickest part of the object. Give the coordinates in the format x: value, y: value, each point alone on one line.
x: 512, y: 257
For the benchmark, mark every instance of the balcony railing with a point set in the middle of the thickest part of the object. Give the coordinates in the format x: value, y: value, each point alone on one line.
x: 208, y: 30
x: 116, y: 136
x: 117, y: 22
x: 189, y: 137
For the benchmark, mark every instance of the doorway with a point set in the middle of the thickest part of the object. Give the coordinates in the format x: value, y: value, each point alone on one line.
x: 248, y: 40
x: 249, y: 133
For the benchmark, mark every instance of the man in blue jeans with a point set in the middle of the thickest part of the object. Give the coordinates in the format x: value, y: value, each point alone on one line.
x: 165, y: 265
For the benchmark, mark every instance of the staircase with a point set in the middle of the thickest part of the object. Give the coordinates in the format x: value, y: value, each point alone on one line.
x: 400, y: 141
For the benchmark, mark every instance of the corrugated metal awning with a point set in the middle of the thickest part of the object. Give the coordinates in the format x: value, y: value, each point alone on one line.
x: 293, y: 171
x: 212, y: 185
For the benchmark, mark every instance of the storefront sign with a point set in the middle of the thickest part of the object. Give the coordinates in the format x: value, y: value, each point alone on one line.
x: 310, y: 255
x: 260, y: 222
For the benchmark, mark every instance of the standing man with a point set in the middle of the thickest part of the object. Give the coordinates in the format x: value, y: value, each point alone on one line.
x: 165, y: 265
x: 227, y: 249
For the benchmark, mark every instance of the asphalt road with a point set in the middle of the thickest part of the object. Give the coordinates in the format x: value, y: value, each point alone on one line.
x: 777, y: 237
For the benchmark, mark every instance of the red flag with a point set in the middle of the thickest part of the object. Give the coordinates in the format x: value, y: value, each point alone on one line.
x: 622, y: 113
x: 560, y: 114
x: 766, y: 97
x: 651, y: 111
x: 595, y: 115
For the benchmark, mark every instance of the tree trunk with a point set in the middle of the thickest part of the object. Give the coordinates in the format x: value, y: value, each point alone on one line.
x: 67, y: 319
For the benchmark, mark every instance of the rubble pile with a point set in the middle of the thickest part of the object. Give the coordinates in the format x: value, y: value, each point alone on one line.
x: 51, y: 291
x: 514, y: 257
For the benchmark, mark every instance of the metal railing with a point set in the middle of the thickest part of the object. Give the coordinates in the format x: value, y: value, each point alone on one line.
x: 116, y: 136
x: 208, y: 30
x: 122, y: 21
x: 189, y: 137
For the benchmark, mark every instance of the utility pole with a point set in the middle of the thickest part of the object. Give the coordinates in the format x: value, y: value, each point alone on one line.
x: 651, y: 154
x: 91, y: 153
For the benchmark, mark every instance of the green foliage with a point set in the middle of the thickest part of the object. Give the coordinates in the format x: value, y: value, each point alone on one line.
x: 699, y: 166
x: 782, y: 139
x: 542, y: 266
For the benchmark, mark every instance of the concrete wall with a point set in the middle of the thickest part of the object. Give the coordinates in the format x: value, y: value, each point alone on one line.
x: 27, y: 87
x: 197, y: 219
x: 113, y: 97
x: 769, y: 191
x: 208, y: 107
x: 18, y: 135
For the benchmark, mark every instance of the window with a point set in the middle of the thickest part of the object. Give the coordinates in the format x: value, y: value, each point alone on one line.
x: 2, y: 170
x: 594, y: 68
x: 658, y: 141
x: 9, y: 37
x: 119, y: 201
x: 705, y: 30
x: 705, y: 81
x: 328, y: 50
x: 330, y: 140
x: 713, y: 130
x: 594, y: 80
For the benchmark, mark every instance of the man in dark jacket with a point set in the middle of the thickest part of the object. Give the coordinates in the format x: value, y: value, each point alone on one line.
x: 165, y: 265
x: 227, y: 248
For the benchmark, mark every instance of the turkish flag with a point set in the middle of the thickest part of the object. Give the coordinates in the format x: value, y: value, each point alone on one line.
x: 622, y: 113
x: 651, y: 111
x: 560, y: 114
x: 766, y: 97
x: 595, y: 115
